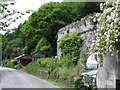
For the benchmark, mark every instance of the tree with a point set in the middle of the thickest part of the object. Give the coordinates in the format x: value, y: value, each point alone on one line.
x: 51, y: 17
x: 7, y: 17
x: 10, y: 40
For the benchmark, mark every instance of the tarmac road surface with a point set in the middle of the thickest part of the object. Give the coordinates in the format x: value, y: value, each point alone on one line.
x: 12, y: 78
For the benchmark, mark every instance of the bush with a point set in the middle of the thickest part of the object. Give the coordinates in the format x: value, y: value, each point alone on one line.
x: 70, y: 46
x: 43, y: 44
x: 11, y: 63
x: 18, y: 66
x: 33, y: 67
x: 55, y: 69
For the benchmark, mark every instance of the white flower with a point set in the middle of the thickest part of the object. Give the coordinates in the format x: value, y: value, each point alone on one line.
x: 97, y: 30
x: 114, y: 12
x: 97, y: 44
x: 101, y: 6
x: 107, y: 40
x: 93, y: 41
x: 100, y: 34
x: 92, y: 45
x: 116, y: 20
x: 98, y: 19
x: 116, y: 31
x: 110, y: 9
x: 112, y: 15
x: 102, y: 28
x: 109, y: 31
x: 116, y: 40
x: 104, y: 11
x: 105, y: 33
x: 117, y: 15
x: 111, y: 54
x: 98, y: 40
x: 97, y: 25
x: 110, y: 50
x: 107, y: 1
x: 108, y: 25
x: 94, y: 19
x: 96, y: 34
x: 109, y: 17
x: 97, y: 14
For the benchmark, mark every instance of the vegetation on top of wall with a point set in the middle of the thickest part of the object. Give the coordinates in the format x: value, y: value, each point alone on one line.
x: 70, y: 46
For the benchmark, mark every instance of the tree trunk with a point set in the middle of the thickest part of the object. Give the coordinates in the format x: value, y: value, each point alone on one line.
x: 53, y: 45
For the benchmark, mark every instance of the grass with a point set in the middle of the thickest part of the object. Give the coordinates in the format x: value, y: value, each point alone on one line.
x: 57, y: 74
x: 58, y: 83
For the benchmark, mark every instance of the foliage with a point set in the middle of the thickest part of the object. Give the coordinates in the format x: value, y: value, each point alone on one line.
x: 107, y: 31
x: 18, y: 66
x: 43, y: 23
x: 8, y: 16
x: 10, y: 63
x: 43, y: 44
x: 55, y: 69
x: 70, y: 46
x: 33, y: 67
x: 51, y: 17
x: 10, y: 41
x: 13, y: 64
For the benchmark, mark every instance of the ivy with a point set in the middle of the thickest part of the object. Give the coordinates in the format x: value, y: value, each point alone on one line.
x: 70, y: 46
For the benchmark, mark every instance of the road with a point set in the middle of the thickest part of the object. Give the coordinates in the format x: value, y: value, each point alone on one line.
x: 12, y: 78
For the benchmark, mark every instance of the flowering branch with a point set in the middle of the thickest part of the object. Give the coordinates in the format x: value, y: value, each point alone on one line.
x: 108, y: 29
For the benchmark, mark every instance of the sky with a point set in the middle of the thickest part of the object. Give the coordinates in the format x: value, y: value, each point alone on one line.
x: 24, y: 5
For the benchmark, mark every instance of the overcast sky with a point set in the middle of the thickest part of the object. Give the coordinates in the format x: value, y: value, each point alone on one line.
x: 23, y: 5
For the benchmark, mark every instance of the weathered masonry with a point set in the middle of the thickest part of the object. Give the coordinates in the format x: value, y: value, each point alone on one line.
x: 86, y: 28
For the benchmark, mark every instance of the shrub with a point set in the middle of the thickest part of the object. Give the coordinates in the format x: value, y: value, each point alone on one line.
x: 18, y: 66
x: 70, y: 46
x: 43, y: 44
x: 11, y: 63
x: 33, y: 67
x: 55, y: 69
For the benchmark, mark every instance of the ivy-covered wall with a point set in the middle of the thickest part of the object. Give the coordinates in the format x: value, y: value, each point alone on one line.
x: 101, y: 34
x: 86, y: 29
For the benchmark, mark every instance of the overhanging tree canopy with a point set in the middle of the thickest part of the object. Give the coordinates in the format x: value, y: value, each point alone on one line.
x: 52, y: 16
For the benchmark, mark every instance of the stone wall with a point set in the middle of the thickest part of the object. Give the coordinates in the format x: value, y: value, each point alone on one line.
x: 86, y: 28
x: 110, y: 71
